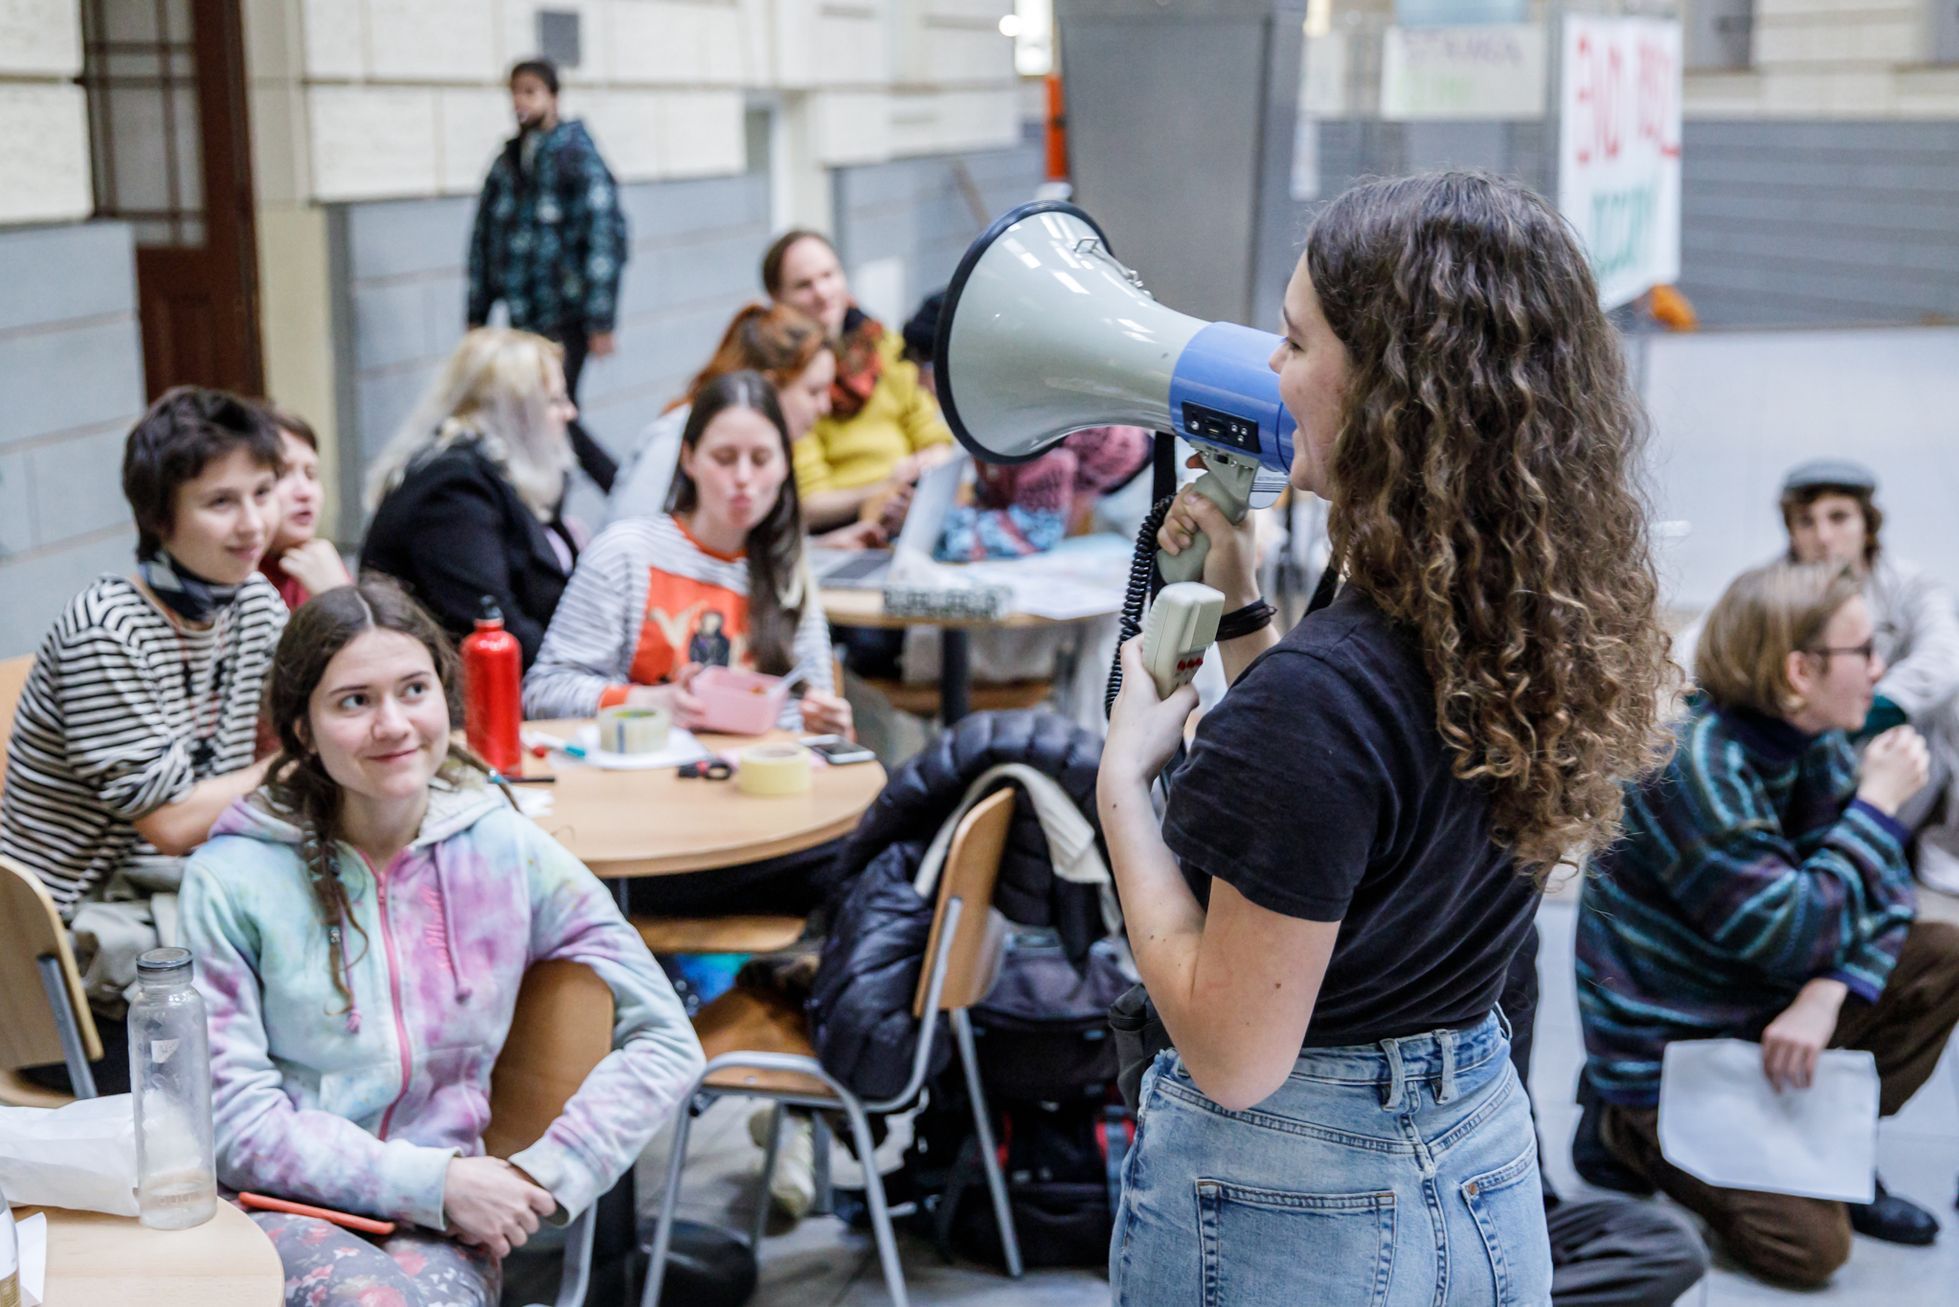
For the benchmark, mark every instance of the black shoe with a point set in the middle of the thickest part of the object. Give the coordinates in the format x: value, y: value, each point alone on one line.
x: 1593, y: 1161
x: 1894, y: 1219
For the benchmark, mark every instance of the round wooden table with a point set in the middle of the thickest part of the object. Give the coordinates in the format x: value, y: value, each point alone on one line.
x: 623, y: 824
x: 96, y: 1260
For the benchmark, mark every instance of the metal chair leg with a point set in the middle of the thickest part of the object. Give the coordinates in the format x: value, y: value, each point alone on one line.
x: 81, y: 1080
x: 656, y: 1262
x: 778, y: 1121
x: 887, y: 1240
x: 826, y: 1195
x: 996, y: 1182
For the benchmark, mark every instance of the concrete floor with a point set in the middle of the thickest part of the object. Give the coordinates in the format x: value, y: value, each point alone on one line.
x: 820, y: 1263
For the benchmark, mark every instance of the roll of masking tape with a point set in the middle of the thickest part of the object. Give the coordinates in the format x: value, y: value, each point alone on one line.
x: 773, y: 769
x: 633, y: 730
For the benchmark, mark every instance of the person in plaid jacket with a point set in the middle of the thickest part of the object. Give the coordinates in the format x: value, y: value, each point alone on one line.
x: 550, y: 240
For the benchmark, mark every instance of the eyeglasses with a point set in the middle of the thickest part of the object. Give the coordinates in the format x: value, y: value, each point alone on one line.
x: 1866, y: 650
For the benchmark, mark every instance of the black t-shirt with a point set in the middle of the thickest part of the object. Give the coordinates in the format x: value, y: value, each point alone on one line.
x: 1319, y: 788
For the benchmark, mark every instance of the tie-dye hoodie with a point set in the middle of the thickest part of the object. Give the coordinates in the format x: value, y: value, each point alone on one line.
x: 361, y: 1108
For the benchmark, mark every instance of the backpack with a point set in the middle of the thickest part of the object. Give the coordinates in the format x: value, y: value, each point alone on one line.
x: 1047, y: 1065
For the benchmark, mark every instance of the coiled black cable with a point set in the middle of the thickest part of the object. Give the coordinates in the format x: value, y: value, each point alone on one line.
x: 1144, y: 582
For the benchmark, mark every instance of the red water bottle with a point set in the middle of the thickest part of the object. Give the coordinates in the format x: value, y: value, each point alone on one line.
x: 493, y: 699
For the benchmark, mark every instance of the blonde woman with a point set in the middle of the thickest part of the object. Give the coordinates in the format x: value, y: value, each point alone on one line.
x: 466, y: 497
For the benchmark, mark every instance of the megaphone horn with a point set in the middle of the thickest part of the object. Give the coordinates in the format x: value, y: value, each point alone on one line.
x: 1044, y: 332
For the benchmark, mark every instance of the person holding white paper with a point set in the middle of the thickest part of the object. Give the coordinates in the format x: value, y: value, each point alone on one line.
x: 1761, y: 892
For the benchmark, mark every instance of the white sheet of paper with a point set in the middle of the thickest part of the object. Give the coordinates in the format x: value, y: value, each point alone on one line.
x: 33, y: 1236
x: 1723, y: 1123
x: 681, y: 747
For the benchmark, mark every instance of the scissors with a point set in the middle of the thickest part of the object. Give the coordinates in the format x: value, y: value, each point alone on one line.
x: 713, y: 768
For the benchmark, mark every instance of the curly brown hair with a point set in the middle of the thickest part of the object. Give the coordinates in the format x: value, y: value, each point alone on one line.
x: 1486, y: 491
x: 299, y: 786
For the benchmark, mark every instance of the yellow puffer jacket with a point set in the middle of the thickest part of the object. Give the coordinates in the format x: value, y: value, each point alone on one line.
x: 900, y: 418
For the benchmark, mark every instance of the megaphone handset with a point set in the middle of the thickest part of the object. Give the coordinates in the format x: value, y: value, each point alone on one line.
x: 1182, y: 624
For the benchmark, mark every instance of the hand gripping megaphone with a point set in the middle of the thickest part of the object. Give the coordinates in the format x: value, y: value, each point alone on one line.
x: 1043, y: 332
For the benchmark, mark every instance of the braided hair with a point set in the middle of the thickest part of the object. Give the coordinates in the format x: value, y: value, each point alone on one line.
x: 300, y: 788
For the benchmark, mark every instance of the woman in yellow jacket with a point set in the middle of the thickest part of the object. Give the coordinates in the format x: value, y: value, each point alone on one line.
x: 884, y: 427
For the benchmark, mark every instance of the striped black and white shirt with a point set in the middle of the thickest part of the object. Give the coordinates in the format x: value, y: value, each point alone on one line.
x: 123, y: 713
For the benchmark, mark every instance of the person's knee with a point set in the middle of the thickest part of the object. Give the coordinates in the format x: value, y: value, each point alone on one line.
x: 1938, y: 941
x: 1801, y: 1254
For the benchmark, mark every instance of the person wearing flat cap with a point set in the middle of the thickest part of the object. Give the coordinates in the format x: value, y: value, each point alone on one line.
x: 1830, y: 512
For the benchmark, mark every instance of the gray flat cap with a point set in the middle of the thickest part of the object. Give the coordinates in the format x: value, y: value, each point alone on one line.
x: 1838, y: 473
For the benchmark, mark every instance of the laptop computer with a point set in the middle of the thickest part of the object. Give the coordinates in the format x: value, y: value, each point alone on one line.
x: 931, y: 504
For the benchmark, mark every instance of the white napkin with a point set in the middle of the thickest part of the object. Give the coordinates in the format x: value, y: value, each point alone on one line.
x: 33, y: 1236
x: 681, y: 747
x: 1723, y: 1123
x: 82, y: 1156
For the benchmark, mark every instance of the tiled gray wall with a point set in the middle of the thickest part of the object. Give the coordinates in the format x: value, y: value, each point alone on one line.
x: 1820, y: 223
x: 71, y: 372
x: 918, y: 210
x: 399, y: 283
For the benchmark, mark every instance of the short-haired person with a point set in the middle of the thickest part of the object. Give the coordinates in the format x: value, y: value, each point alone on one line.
x: 362, y: 925
x: 1760, y: 892
x: 1829, y: 508
x: 883, y: 427
x: 466, y: 497
x: 549, y: 240
x: 299, y: 562
x: 137, y: 726
x: 1351, y: 854
x: 722, y: 570
x: 785, y: 345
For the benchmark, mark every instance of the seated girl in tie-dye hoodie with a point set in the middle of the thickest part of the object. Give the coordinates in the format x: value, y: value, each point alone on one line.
x: 362, y: 924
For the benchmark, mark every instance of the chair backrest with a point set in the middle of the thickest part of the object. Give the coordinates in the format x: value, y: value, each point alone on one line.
x: 31, y: 929
x: 562, y: 1028
x: 13, y: 680
x: 972, y: 868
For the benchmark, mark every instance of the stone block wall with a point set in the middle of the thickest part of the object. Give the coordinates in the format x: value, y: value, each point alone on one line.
x: 71, y: 368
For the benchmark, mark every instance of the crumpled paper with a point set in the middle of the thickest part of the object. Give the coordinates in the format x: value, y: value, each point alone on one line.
x: 82, y: 1156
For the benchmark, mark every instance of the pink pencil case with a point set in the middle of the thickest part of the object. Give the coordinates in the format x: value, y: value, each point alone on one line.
x: 738, y: 703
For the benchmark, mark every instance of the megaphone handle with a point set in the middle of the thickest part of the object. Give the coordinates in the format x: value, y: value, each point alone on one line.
x: 1189, y: 565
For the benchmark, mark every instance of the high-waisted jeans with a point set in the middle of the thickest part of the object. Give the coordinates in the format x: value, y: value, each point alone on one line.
x: 1397, y: 1174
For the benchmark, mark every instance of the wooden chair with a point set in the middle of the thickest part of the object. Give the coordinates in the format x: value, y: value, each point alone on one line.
x: 13, y: 680
x: 44, y: 1016
x: 561, y: 1029
x: 759, y: 1047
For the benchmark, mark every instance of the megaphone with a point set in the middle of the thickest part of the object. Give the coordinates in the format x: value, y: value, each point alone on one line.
x: 1044, y: 332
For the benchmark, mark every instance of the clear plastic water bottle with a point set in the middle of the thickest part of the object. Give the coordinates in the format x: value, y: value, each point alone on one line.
x: 170, y: 1074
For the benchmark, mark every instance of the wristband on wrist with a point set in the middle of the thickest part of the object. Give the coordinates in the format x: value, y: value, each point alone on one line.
x: 1254, y: 616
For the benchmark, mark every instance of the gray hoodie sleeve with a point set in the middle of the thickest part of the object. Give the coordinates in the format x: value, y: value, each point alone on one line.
x: 1925, y: 674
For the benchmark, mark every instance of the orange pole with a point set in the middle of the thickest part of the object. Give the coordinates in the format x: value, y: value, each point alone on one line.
x: 1057, y: 131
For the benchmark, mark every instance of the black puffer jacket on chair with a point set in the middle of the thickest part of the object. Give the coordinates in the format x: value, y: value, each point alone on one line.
x: 860, y: 1004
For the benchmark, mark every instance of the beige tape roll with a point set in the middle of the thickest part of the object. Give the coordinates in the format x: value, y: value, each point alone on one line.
x: 773, y: 769
x: 634, y: 730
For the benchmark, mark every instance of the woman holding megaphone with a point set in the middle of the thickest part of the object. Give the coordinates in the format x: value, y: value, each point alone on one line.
x: 1356, y: 844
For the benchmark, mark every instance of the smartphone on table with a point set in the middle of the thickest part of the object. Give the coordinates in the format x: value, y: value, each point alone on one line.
x: 836, y: 750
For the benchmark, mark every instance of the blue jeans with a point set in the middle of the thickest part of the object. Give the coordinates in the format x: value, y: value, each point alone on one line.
x: 1398, y: 1174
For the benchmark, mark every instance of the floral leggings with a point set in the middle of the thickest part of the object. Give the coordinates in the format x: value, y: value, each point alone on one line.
x: 329, y: 1266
